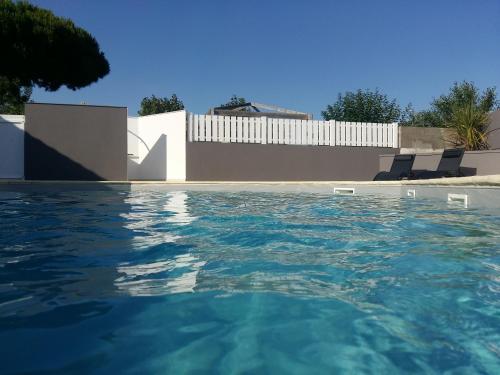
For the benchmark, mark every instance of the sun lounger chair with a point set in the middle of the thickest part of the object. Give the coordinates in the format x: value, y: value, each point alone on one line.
x: 400, y: 168
x: 449, y: 166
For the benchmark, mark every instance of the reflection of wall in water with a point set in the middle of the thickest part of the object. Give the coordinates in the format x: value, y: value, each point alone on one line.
x: 172, y: 274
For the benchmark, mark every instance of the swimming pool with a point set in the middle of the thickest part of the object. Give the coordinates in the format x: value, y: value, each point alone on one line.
x: 156, y: 280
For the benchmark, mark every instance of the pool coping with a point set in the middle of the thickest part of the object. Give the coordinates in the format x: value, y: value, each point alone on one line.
x: 473, y: 181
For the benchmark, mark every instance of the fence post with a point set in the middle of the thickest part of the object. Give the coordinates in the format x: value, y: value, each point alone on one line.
x: 331, y: 125
x: 190, y: 127
x: 196, y: 128
x: 227, y: 128
x: 233, y: 129
x: 395, y: 135
x: 263, y: 132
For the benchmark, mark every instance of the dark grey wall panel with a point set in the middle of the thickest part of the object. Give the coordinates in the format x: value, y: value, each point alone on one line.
x: 207, y: 161
x: 75, y: 142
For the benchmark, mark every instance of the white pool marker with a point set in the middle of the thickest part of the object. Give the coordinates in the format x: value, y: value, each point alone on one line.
x: 411, y: 193
x: 343, y: 191
x: 464, y: 198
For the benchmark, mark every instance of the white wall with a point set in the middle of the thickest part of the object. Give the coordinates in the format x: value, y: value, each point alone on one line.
x: 132, y: 140
x: 158, y: 143
x: 11, y: 146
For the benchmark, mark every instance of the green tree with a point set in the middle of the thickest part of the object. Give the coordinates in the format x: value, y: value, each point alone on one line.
x: 426, y: 118
x: 461, y: 95
x: 153, y: 105
x: 470, y: 122
x: 39, y: 48
x: 13, y: 96
x: 363, y: 106
x: 234, y: 101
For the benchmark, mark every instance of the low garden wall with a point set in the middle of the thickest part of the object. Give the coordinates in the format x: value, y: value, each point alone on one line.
x: 494, y: 130
x: 214, y: 161
x: 420, y: 139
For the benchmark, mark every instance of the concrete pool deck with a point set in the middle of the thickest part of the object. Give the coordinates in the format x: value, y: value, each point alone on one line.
x: 473, y: 181
x: 471, y: 192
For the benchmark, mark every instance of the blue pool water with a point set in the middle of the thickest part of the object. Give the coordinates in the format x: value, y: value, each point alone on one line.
x: 120, y: 281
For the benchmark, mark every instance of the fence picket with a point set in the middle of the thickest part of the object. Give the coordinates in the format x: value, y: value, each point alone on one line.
x: 273, y: 131
x: 251, y: 129
x: 363, y: 134
x: 321, y: 133
x: 208, y: 128
x: 297, y: 131
x: 281, y: 131
x: 220, y: 128
x: 227, y: 128
x: 369, y: 128
x: 286, y: 131
x: 263, y: 130
x: 202, y: 128
x: 213, y: 130
x: 354, y: 130
x: 195, y: 128
x: 291, y: 131
x: 395, y: 135
x: 331, y: 134
x: 384, y: 135
x: 239, y: 129
x: 257, y: 130
x: 245, y: 130
x: 347, y: 133
x: 314, y: 132
x: 232, y: 130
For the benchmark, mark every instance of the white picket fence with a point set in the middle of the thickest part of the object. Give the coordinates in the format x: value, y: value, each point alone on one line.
x: 263, y: 130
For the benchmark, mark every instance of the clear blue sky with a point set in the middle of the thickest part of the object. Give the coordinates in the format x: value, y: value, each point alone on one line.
x: 295, y: 53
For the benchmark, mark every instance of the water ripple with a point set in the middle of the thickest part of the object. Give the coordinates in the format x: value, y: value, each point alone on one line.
x: 319, y: 281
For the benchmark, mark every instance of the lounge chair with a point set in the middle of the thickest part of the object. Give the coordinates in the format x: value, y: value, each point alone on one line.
x: 400, y: 168
x: 449, y: 166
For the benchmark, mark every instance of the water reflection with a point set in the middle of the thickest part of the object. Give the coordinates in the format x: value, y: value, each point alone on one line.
x: 149, y: 242
x: 155, y: 227
x: 392, y: 277
x: 178, y: 275
x: 177, y: 205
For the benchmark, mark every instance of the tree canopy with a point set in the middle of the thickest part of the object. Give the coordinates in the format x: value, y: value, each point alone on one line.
x: 13, y: 96
x: 363, y: 106
x: 153, y: 105
x: 39, y: 48
x: 234, y: 101
x: 461, y: 95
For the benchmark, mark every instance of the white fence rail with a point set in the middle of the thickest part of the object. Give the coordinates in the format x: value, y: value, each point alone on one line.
x: 263, y: 130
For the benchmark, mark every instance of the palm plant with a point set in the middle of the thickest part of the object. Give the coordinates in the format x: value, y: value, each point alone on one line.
x: 470, y: 122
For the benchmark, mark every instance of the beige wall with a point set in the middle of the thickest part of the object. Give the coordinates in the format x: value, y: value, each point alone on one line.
x: 494, y: 129
x: 420, y: 139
